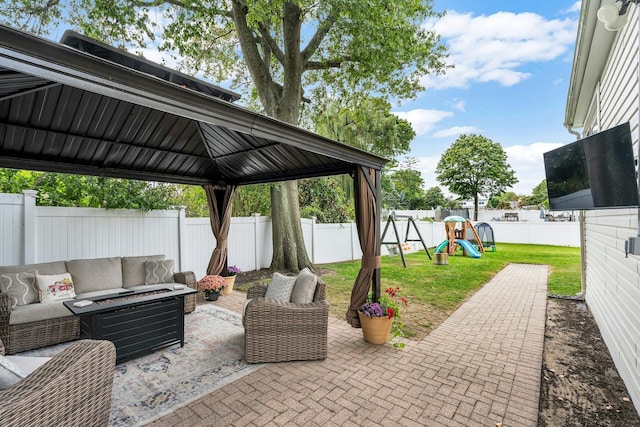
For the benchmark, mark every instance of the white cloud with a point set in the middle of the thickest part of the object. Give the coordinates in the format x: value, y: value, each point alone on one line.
x: 527, y: 161
x: 574, y: 7
x: 459, y: 105
x: 494, y: 48
x: 423, y: 120
x: 456, y: 131
x: 427, y: 166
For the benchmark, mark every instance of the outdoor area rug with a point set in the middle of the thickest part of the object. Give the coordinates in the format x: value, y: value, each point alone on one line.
x: 157, y: 384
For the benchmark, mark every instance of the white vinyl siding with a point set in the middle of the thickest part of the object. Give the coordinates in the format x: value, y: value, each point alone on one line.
x: 613, y: 280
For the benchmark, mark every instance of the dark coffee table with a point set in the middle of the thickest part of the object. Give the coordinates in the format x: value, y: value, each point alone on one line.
x: 136, y: 322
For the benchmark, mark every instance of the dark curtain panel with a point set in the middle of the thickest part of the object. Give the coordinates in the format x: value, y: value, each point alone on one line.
x: 219, y: 202
x: 367, y: 204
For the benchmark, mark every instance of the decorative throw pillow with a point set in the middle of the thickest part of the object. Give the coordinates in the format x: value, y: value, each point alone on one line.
x: 158, y: 272
x: 9, y: 373
x: 280, y: 287
x: 55, y: 287
x: 21, y: 287
x: 304, y: 288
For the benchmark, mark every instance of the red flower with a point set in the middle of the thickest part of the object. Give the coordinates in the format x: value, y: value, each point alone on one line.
x: 404, y: 300
x: 391, y: 312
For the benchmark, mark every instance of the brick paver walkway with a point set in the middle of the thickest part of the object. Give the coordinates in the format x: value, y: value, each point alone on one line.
x: 480, y: 367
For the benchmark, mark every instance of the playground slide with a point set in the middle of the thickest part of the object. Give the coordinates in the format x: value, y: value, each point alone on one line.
x: 441, y: 246
x: 471, y: 250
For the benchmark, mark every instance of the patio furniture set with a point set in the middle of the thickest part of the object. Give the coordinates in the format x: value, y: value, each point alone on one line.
x: 126, y: 306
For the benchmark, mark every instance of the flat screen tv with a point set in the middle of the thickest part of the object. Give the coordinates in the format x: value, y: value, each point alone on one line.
x: 596, y: 172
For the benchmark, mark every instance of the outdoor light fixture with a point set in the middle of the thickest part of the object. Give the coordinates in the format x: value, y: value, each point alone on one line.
x: 614, y: 14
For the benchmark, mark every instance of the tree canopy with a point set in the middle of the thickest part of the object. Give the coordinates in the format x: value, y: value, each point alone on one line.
x: 58, y: 189
x: 284, y: 52
x: 475, y: 165
x: 434, y: 198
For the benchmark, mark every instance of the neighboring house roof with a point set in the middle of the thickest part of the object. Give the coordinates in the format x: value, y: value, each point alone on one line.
x: 64, y: 110
x: 593, y: 45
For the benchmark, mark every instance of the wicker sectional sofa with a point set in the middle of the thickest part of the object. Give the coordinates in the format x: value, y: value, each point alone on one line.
x: 33, y: 325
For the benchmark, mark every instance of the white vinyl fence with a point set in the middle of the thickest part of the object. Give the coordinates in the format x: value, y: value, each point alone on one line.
x: 33, y: 234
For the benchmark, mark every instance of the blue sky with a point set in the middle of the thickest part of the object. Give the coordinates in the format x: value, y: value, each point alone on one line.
x: 512, y: 68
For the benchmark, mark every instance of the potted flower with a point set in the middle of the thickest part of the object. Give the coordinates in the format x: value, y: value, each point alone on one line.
x: 381, y: 318
x: 230, y: 278
x: 211, y: 286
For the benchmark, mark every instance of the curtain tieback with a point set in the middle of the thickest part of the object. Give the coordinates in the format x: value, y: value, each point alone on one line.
x: 371, y: 261
x: 221, y: 243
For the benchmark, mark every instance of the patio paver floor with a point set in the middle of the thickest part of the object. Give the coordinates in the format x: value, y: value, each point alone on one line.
x: 481, y: 366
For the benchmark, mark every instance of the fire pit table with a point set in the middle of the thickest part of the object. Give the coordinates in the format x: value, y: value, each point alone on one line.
x: 135, y: 321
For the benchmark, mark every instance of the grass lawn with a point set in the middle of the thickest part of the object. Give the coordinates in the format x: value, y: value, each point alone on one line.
x: 435, y: 291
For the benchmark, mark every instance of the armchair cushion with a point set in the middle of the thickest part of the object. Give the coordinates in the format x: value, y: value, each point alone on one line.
x: 280, y: 287
x: 304, y: 288
x: 10, y: 373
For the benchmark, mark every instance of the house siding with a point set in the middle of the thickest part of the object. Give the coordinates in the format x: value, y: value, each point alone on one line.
x: 612, y: 279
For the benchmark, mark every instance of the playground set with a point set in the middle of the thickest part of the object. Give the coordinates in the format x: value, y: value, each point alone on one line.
x: 457, y: 237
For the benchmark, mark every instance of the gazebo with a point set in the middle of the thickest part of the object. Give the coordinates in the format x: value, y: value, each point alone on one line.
x: 88, y: 108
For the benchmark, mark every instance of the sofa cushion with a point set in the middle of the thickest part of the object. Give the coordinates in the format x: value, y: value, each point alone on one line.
x: 36, y: 312
x: 102, y: 293
x: 304, y: 288
x: 133, y: 271
x: 95, y: 274
x: 280, y: 287
x: 9, y: 373
x: 55, y: 287
x: 21, y: 287
x: 55, y: 267
x: 158, y: 272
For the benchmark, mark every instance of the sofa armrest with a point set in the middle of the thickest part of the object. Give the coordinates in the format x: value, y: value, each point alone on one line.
x: 186, y: 277
x: 5, y: 315
x: 257, y: 290
x: 73, y: 388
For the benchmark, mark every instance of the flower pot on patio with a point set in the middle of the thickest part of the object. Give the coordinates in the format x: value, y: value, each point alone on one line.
x: 229, y: 287
x: 375, y: 329
x: 211, y: 296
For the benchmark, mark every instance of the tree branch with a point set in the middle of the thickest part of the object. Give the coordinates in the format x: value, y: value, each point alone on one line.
x: 323, y: 65
x: 273, y: 46
x: 323, y: 30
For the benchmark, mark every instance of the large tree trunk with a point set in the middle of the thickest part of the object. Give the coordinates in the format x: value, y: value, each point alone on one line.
x: 281, y: 102
x: 289, y: 252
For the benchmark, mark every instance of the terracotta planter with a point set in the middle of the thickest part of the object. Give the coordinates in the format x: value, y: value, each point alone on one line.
x: 229, y: 288
x: 375, y: 329
x: 211, y: 296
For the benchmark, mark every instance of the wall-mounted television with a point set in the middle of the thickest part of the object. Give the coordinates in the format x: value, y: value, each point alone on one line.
x: 596, y: 172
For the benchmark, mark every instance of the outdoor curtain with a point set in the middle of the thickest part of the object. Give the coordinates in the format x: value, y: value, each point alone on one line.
x: 219, y: 202
x: 367, y: 190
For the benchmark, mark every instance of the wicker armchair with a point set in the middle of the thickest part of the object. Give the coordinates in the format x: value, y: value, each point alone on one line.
x: 71, y: 389
x: 279, y: 332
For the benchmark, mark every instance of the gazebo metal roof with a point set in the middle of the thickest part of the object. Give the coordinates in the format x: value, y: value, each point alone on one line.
x: 65, y: 110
